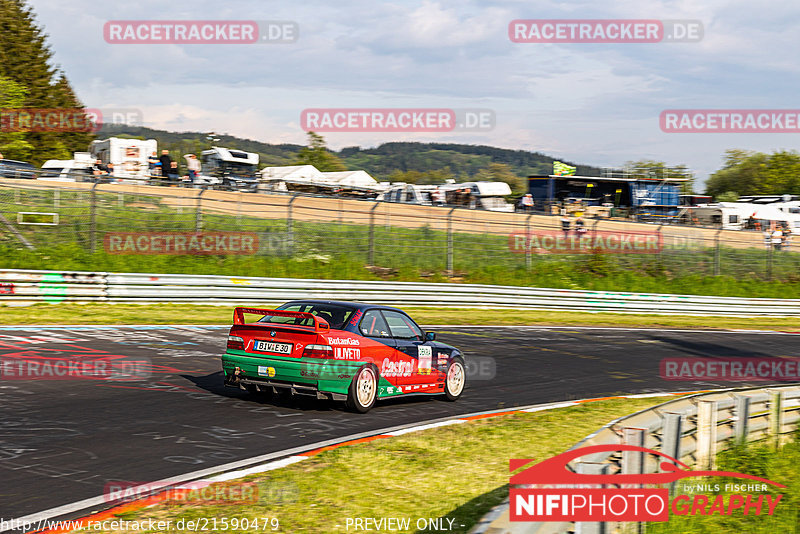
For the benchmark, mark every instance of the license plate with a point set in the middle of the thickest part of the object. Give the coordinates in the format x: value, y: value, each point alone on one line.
x: 269, y: 346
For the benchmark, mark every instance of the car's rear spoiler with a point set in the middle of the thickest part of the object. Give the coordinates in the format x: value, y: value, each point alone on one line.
x: 320, y: 324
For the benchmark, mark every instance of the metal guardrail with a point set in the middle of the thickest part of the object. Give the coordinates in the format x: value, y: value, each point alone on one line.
x: 60, y: 286
x: 691, y: 429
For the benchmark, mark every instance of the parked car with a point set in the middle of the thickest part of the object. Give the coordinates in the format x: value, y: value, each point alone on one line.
x: 344, y: 351
x: 10, y: 168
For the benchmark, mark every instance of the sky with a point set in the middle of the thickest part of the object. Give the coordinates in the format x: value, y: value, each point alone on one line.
x: 591, y: 103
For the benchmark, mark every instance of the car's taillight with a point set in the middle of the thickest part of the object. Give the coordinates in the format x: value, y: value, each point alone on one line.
x: 235, y: 343
x: 318, y: 351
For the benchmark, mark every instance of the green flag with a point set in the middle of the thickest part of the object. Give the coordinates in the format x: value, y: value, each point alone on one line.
x: 562, y: 169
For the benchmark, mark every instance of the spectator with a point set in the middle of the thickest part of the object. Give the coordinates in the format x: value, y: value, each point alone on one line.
x: 1, y: 155
x: 580, y: 227
x: 777, y: 238
x: 565, y: 224
x: 154, y: 164
x: 99, y: 169
x: 527, y: 202
x: 193, y: 164
x: 172, y: 173
x: 166, y: 164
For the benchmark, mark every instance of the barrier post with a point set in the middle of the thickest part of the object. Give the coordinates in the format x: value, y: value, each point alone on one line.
x: 775, y: 417
x: 742, y: 423
x: 716, y: 253
x: 706, y: 434
x: 593, y: 527
x: 198, y: 213
x: 528, y: 258
x: 671, y: 439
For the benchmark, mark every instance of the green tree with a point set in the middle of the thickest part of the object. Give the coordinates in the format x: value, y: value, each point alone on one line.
x: 660, y: 170
x: 13, y: 144
x: 501, y: 172
x: 318, y: 155
x: 755, y: 173
x: 25, y: 59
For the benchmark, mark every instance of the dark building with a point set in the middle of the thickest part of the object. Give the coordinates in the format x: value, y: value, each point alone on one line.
x: 654, y: 197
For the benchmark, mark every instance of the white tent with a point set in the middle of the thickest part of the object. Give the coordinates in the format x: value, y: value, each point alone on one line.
x: 350, y: 178
x: 302, y: 173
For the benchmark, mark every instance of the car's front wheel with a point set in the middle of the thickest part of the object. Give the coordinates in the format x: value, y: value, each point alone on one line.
x: 455, y: 380
x: 363, y: 390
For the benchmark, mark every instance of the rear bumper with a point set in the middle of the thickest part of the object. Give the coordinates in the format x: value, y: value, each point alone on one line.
x: 320, y: 377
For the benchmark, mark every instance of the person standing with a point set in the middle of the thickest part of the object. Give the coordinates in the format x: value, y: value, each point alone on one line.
x: 565, y: 224
x: 166, y: 164
x: 193, y: 164
x: 777, y: 238
x: 172, y: 173
x: 527, y: 203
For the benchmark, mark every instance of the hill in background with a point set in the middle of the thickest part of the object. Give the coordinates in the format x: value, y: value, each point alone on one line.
x: 461, y: 161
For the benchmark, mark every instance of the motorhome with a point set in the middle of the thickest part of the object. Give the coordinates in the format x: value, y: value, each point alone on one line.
x: 128, y: 156
x: 235, y: 169
x: 489, y: 196
x: 744, y: 215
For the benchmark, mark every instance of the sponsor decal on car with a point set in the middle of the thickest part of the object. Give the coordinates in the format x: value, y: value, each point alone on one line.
x: 266, y: 371
x: 344, y: 341
x: 346, y: 353
x: 391, y: 369
x: 425, y: 356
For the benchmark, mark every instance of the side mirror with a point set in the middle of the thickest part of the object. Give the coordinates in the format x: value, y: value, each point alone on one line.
x: 430, y: 336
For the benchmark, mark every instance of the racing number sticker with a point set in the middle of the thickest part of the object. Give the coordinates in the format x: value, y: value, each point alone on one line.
x: 425, y: 357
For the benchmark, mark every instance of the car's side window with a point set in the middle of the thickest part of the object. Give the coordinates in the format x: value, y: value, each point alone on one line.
x: 373, y: 325
x: 402, y: 326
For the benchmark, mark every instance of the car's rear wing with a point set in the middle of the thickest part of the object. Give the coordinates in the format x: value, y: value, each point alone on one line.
x: 320, y: 324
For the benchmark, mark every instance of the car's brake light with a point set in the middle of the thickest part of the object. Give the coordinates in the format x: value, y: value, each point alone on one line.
x: 235, y: 343
x: 318, y: 351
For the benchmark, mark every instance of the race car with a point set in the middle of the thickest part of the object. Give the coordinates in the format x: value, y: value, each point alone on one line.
x: 343, y: 351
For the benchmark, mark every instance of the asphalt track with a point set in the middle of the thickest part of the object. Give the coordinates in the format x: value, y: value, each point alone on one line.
x: 63, y: 441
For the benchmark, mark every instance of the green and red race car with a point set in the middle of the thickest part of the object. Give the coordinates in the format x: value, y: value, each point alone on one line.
x: 344, y: 351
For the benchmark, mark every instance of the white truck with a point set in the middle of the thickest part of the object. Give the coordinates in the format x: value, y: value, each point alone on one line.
x: 130, y: 157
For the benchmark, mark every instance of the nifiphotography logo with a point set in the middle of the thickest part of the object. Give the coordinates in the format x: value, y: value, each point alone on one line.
x: 587, y: 497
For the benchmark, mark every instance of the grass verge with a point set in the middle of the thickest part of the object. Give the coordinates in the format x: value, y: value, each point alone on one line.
x: 457, y: 472
x: 102, y: 313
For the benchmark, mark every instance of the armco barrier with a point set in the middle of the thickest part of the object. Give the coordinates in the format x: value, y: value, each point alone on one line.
x: 21, y: 286
x: 691, y: 429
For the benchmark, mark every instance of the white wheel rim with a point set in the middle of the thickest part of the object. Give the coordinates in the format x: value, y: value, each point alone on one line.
x: 455, y: 378
x: 365, y: 387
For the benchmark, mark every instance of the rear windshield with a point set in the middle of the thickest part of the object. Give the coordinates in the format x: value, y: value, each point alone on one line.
x: 336, y: 316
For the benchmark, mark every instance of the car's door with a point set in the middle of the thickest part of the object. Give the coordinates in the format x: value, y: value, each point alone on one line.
x: 379, y: 344
x: 411, y: 349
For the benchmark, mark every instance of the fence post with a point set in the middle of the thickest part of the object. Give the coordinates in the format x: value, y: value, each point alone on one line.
x: 775, y: 417
x: 716, y: 253
x: 198, y: 214
x: 450, y: 242
x: 528, y: 259
x: 769, y: 260
x: 742, y: 424
x: 593, y: 527
x: 93, y: 218
x: 706, y: 434
x: 290, y: 226
x: 633, y: 461
x: 371, y: 253
x: 671, y: 439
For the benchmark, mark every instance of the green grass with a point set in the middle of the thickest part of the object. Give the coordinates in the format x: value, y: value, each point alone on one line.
x: 758, y: 459
x: 335, y: 250
x: 458, y: 472
x: 104, y: 313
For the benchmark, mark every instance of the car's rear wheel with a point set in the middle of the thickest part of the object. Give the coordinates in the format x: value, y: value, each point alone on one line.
x: 363, y: 390
x: 455, y: 379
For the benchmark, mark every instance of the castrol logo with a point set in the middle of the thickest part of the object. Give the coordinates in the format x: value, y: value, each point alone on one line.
x: 392, y: 369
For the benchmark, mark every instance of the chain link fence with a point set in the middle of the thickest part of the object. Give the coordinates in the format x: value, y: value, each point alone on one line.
x: 112, y: 227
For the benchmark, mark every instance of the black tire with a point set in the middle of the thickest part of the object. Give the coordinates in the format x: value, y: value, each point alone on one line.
x: 363, y: 390
x: 454, y: 384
